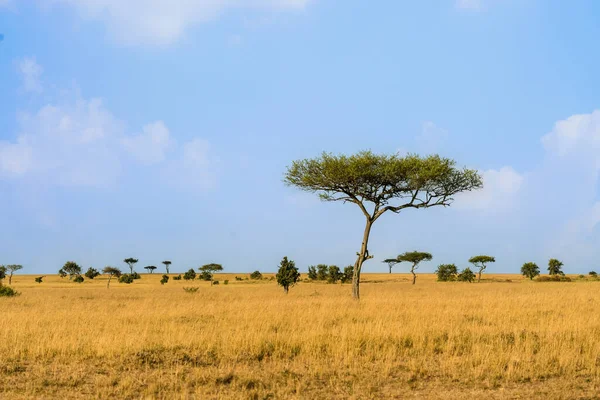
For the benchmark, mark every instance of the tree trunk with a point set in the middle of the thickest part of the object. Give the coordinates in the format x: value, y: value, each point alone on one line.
x: 10, y: 278
x: 390, y: 268
x: 286, y: 289
x: 108, y: 284
x: 479, y: 276
x: 362, y: 256
x: 412, y: 271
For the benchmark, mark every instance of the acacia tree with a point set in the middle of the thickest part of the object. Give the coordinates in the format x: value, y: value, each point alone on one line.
x: 414, y: 257
x: 530, y: 270
x: 287, y: 275
x: 111, y: 271
x: 391, y: 262
x: 167, y: 265
x: 150, y: 268
x: 131, y: 263
x: 70, y: 268
x: 211, y: 269
x: 480, y: 262
x: 11, y: 269
x: 381, y: 183
x: 554, y: 267
x: 91, y: 273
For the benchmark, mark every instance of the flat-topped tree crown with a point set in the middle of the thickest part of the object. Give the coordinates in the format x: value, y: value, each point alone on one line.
x: 414, y: 257
x: 111, y: 271
x: 481, y: 263
x: 378, y: 183
x: 167, y: 264
x: 130, y: 262
x: 211, y: 269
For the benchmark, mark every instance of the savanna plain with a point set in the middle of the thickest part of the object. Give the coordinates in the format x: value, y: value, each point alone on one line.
x: 505, y: 337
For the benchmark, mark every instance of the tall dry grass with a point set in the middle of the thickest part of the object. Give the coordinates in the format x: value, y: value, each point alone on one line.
x: 248, y: 340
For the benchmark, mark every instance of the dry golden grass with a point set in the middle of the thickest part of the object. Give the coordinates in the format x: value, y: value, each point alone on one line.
x: 495, y: 339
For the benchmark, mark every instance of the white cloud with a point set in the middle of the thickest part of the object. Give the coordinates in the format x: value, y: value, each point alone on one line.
x: 30, y: 72
x: 150, y: 146
x: 161, y: 22
x: 432, y: 137
x: 500, y: 191
x: 578, y: 135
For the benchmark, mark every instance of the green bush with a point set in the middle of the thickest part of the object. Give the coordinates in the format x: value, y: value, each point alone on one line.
x: 333, y: 274
x: 7, y: 291
x: 164, y: 279
x: 593, y: 274
x: 215, y: 282
x: 446, y: 273
x: 205, y: 276
x: 91, y: 273
x: 347, y: 274
x: 322, y: 270
x: 191, y: 289
x: 177, y: 278
x: 312, y: 273
x: 190, y: 275
x: 226, y: 282
x: 553, y: 278
x: 466, y: 275
x: 135, y: 275
x: 78, y: 279
x: 39, y: 279
x: 126, y: 278
x: 256, y: 275
x: 237, y: 278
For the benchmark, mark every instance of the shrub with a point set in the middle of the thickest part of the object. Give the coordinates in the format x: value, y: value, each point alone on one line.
x: 164, y: 279
x: 256, y: 275
x: 553, y: 278
x: 347, y: 274
x: 7, y: 291
x: 190, y: 289
x: 177, y: 278
x: 190, y: 275
x: 581, y: 276
x: 312, y: 273
x: 237, y: 278
x: 333, y: 274
x: 91, y: 273
x: 126, y: 278
x: 226, y: 282
x: 215, y: 282
x: 205, y: 276
x: 288, y: 274
x: 593, y: 274
x: 446, y: 272
x: 466, y: 275
x: 78, y: 279
x: 39, y: 279
x: 322, y: 270
x: 135, y: 275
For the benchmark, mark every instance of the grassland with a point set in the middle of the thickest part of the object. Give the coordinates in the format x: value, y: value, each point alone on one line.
x: 247, y: 340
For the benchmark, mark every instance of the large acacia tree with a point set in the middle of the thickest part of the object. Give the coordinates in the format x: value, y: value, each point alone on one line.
x: 378, y: 183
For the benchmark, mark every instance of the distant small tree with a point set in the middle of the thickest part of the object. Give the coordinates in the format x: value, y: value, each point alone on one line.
x: 2, y: 273
x: 391, y: 262
x: 177, y: 278
x: 131, y: 263
x: 481, y: 263
x: 111, y: 271
x: 466, y: 275
x: 12, y: 269
x: 206, y: 276
x: 78, y: 279
x: 91, y: 273
x: 167, y: 265
x: 256, y: 275
x: 322, y: 271
x: 554, y: 267
x: 312, y: 273
x: 150, y: 268
x: 446, y: 272
x: 39, y: 279
x: 211, y: 268
x: 71, y: 268
x: 287, y: 275
x: 347, y: 274
x: 593, y: 274
x: 333, y: 274
x: 164, y: 279
x: 190, y: 275
x: 415, y: 258
x: 530, y: 270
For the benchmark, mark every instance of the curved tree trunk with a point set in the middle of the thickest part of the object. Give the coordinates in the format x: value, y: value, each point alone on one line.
x: 108, y: 283
x: 479, y: 275
x: 10, y: 278
x: 362, y: 257
x: 412, y: 271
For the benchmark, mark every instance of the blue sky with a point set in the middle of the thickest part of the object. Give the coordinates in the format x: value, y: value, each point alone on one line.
x: 162, y: 129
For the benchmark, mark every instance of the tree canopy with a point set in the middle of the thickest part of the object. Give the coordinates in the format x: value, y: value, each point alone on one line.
x: 414, y: 257
x: 530, y: 270
x: 378, y: 183
x: 111, y: 271
x: 12, y: 269
x: 555, y: 267
x: 167, y: 264
x: 481, y: 263
x: 130, y: 262
x: 287, y: 275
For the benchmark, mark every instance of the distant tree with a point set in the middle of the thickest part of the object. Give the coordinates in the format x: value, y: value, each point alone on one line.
x: 256, y: 275
x: 322, y: 271
x: 150, y: 268
x: 71, y: 268
x: 287, y: 275
x: 333, y: 274
x: 78, y: 279
x: 446, y: 272
x: 177, y: 278
x: 593, y: 274
x: 206, y: 276
x: 391, y: 262
x: 381, y: 183
x: 415, y: 258
x: 530, y: 270
x: 347, y: 274
x: 12, y: 269
x: 466, y: 275
x: 164, y: 279
x: 554, y: 267
x: 190, y: 275
x: 167, y: 265
x: 39, y: 279
x: 481, y: 263
x: 111, y: 271
x: 211, y: 268
x: 62, y: 273
x: 312, y: 273
x: 91, y: 273
x: 2, y: 273
x: 131, y: 263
